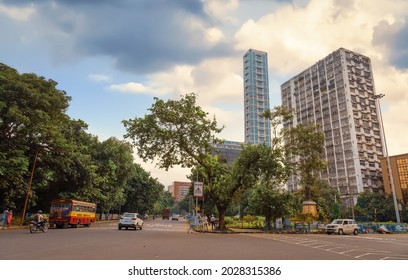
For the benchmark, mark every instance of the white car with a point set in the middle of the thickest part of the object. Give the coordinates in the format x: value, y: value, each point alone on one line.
x: 130, y: 220
x: 342, y: 226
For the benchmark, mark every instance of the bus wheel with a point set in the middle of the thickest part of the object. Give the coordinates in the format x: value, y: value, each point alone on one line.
x: 77, y: 224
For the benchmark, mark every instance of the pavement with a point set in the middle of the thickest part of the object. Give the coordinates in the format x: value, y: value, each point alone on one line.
x: 26, y: 226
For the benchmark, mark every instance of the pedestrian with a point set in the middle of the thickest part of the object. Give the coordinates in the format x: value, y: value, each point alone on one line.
x: 205, y: 222
x: 9, y: 218
x: 5, y: 216
x: 212, y: 220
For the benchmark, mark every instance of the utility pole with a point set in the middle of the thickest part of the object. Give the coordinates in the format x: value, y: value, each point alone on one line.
x: 394, y: 195
x: 29, y: 188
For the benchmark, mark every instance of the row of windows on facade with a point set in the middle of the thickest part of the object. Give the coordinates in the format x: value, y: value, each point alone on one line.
x: 356, y: 80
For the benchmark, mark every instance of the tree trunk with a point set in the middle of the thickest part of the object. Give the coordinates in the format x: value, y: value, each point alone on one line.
x: 268, y: 219
x: 221, y: 218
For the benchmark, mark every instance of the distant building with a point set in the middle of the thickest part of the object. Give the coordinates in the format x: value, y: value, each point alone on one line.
x: 256, y: 97
x: 171, y: 189
x: 337, y: 93
x: 229, y: 150
x: 399, y: 168
x: 180, y: 190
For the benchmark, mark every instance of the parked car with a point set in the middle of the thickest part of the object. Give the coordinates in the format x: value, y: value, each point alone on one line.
x: 130, y: 220
x: 175, y: 217
x: 342, y: 226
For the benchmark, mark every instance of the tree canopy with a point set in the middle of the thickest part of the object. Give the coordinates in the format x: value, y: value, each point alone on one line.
x: 176, y: 132
x: 70, y: 162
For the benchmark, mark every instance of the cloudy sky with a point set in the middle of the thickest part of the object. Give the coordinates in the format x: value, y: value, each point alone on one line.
x: 113, y: 56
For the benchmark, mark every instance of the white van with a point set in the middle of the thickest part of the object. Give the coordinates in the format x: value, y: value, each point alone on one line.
x: 342, y: 226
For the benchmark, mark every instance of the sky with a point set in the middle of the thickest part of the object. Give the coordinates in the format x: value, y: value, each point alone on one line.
x: 114, y: 56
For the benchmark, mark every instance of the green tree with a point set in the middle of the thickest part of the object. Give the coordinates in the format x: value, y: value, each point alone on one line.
x: 272, y: 201
x: 142, y: 192
x: 32, y: 112
x: 222, y: 182
x: 165, y: 200
x: 306, y: 144
x: 377, y: 207
x: 176, y: 132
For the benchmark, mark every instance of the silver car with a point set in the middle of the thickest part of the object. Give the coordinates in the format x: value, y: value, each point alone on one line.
x: 130, y: 220
x: 342, y: 226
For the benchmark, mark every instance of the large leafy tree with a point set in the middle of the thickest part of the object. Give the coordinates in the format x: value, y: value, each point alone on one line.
x: 142, y: 192
x: 272, y: 201
x: 306, y: 143
x: 32, y: 112
x: 176, y: 132
x: 114, y: 165
x: 378, y: 207
x: 179, y: 132
x: 69, y: 162
x: 268, y: 196
x: 165, y: 200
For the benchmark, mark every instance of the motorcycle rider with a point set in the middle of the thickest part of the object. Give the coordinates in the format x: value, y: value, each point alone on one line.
x: 39, y: 218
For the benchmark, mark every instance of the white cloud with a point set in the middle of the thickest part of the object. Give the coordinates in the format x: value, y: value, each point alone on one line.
x: 222, y: 10
x: 214, y: 34
x: 296, y: 37
x: 175, y: 82
x: 20, y: 14
x: 129, y: 87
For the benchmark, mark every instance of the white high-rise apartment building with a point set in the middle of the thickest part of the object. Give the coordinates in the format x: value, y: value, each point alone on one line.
x: 337, y: 93
x: 256, y: 97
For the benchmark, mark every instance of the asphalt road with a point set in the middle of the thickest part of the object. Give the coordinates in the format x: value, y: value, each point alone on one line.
x: 170, y: 240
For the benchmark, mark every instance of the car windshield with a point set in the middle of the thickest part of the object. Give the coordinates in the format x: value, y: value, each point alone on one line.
x: 337, y: 222
x: 129, y: 215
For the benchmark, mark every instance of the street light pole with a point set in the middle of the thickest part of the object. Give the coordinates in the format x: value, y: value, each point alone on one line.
x: 394, y: 195
x: 29, y: 187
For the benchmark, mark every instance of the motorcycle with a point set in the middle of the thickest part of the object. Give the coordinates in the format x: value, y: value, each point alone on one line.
x: 36, y: 226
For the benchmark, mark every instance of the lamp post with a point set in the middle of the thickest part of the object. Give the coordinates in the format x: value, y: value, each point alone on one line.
x: 394, y: 195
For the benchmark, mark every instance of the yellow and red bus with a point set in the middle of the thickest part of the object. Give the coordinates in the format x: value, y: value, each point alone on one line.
x: 69, y: 212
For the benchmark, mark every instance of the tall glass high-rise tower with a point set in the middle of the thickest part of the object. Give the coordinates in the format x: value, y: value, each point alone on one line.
x: 256, y: 97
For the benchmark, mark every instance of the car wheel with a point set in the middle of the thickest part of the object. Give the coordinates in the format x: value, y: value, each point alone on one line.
x: 340, y: 231
x: 141, y: 227
x: 119, y: 227
x: 355, y: 232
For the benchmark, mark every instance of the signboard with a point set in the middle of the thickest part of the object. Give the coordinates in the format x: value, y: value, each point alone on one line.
x: 198, y: 189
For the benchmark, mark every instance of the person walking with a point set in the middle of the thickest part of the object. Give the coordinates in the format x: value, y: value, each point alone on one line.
x: 9, y: 218
x: 205, y: 222
x: 212, y: 220
x: 5, y: 217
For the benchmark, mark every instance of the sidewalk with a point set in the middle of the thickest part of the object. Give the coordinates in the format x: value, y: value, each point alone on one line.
x: 14, y: 227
